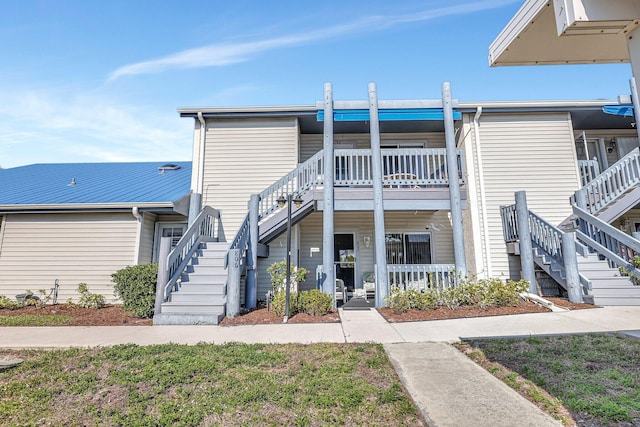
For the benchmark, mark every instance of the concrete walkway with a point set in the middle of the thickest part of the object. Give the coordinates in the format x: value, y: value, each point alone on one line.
x: 447, y: 387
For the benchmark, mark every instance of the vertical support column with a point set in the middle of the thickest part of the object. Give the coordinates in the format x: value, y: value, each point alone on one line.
x: 636, y: 102
x: 572, y: 273
x: 163, y: 273
x: 329, y: 284
x: 454, y: 183
x: 526, y: 248
x: 195, y: 206
x: 251, y: 297
x: 233, y: 282
x: 382, y: 279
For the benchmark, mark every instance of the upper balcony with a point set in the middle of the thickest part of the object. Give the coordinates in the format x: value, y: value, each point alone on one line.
x: 413, y: 179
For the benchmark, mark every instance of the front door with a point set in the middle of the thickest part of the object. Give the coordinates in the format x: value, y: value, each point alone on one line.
x: 344, y: 256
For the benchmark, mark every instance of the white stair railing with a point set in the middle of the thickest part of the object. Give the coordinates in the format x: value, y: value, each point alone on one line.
x: 206, y: 227
x: 610, y: 184
x: 589, y: 170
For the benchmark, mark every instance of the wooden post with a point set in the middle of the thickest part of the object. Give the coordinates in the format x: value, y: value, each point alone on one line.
x: 572, y: 275
x: 454, y: 183
x: 233, y: 283
x: 526, y: 247
x: 329, y: 284
x: 163, y: 273
x: 251, y: 299
x: 382, y: 282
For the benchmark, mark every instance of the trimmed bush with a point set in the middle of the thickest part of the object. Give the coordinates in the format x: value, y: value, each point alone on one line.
x: 315, y: 302
x: 136, y: 287
x: 8, y: 303
x: 279, y: 303
x: 401, y: 301
x: 88, y: 299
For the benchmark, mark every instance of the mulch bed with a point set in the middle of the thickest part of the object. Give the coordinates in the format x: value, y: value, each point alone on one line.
x: 109, y: 315
x: 261, y: 316
x: 442, y: 313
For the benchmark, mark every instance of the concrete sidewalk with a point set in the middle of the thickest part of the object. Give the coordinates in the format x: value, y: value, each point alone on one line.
x: 447, y: 387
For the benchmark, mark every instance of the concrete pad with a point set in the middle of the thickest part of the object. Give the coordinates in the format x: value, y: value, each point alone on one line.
x: 367, y: 326
x: 450, y: 389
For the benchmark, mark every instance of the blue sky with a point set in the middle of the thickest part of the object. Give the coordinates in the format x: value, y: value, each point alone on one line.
x: 89, y: 81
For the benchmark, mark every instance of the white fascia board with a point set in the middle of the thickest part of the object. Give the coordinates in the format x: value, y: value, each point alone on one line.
x: 529, y: 11
x: 531, y: 37
x: 248, y: 109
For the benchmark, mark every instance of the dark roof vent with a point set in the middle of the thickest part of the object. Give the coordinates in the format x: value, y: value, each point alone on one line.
x: 169, y: 167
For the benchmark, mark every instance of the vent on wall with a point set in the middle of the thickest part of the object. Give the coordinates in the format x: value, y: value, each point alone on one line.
x: 169, y: 167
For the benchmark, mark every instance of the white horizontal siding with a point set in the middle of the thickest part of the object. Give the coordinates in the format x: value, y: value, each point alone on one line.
x: 37, y: 249
x: 243, y: 157
x: 535, y: 153
x: 360, y: 223
x: 310, y: 144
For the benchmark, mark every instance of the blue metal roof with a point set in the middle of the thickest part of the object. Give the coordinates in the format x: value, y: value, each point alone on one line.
x: 95, y: 183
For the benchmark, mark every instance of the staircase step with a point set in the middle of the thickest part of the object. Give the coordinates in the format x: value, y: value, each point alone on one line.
x: 209, y: 261
x: 193, y: 308
x: 187, y: 318
x: 204, y: 279
x: 199, y: 297
x: 607, y: 282
x: 215, y: 270
x: 203, y: 288
x: 600, y: 274
x: 616, y: 301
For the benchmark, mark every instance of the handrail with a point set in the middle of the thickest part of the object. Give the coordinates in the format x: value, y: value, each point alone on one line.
x: 546, y: 237
x: 207, y: 225
x: 241, y: 239
x: 422, y: 276
x: 589, y: 170
x: 299, y: 180
x: 615, y: 245
x: 509, y: 223
x: 613, y: 182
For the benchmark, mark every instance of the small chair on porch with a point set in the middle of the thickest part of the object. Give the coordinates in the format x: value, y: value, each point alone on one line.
x: 369, y: 284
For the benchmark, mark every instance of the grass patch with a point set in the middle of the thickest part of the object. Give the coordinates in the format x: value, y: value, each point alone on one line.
x: 233, y: 384
x: 596, y: 376
x: 35, y: 320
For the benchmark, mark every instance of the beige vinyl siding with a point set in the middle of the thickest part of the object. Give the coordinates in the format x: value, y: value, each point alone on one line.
x: 360, y: 223
x: 535, y: 153
x: 310, y: 144
x: 147, y: 238
x: 37, y: 249
x: 243, y: 157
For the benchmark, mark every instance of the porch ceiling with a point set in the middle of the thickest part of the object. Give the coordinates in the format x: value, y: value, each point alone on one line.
x: 310, y: 124
x: 531, y: 37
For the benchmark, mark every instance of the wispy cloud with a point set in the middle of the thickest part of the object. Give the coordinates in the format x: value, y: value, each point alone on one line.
x: 223, y: 54
x: 86, y: 128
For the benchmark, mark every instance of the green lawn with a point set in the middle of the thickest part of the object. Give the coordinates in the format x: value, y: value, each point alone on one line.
x: 233, y: 384
x: 596, y: 377
x: 35, y: 320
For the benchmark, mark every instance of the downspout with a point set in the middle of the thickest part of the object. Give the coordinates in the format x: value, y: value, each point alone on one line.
x: 197, y: 175
x: 138, y: 216
x: 483, y: 202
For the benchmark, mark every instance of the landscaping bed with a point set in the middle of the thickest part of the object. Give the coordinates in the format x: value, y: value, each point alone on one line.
x: 67, y: 315
x: 262, y: 316
x: 441, y: 312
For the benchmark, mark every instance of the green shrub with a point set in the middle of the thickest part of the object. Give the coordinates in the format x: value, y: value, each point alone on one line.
x: 8, y: 303
x: 88, y: 299
x: 401, y: 301
x: 279, y: 303
x: 136, y: 287
x: 508, y: 294
x: 315, y: 302
x: 278, y: 273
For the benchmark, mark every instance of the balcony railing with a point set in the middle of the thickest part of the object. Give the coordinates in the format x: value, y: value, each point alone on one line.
x: 421, y: 276
x: 402, y: 168
x: 589, y: 169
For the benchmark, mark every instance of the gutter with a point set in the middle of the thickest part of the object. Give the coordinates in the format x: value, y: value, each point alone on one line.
x: 483, y: 202
x: 198, y: 179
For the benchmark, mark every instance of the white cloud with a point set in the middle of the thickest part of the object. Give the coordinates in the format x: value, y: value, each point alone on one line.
x: 222, y: 54
x: 50, y: 128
